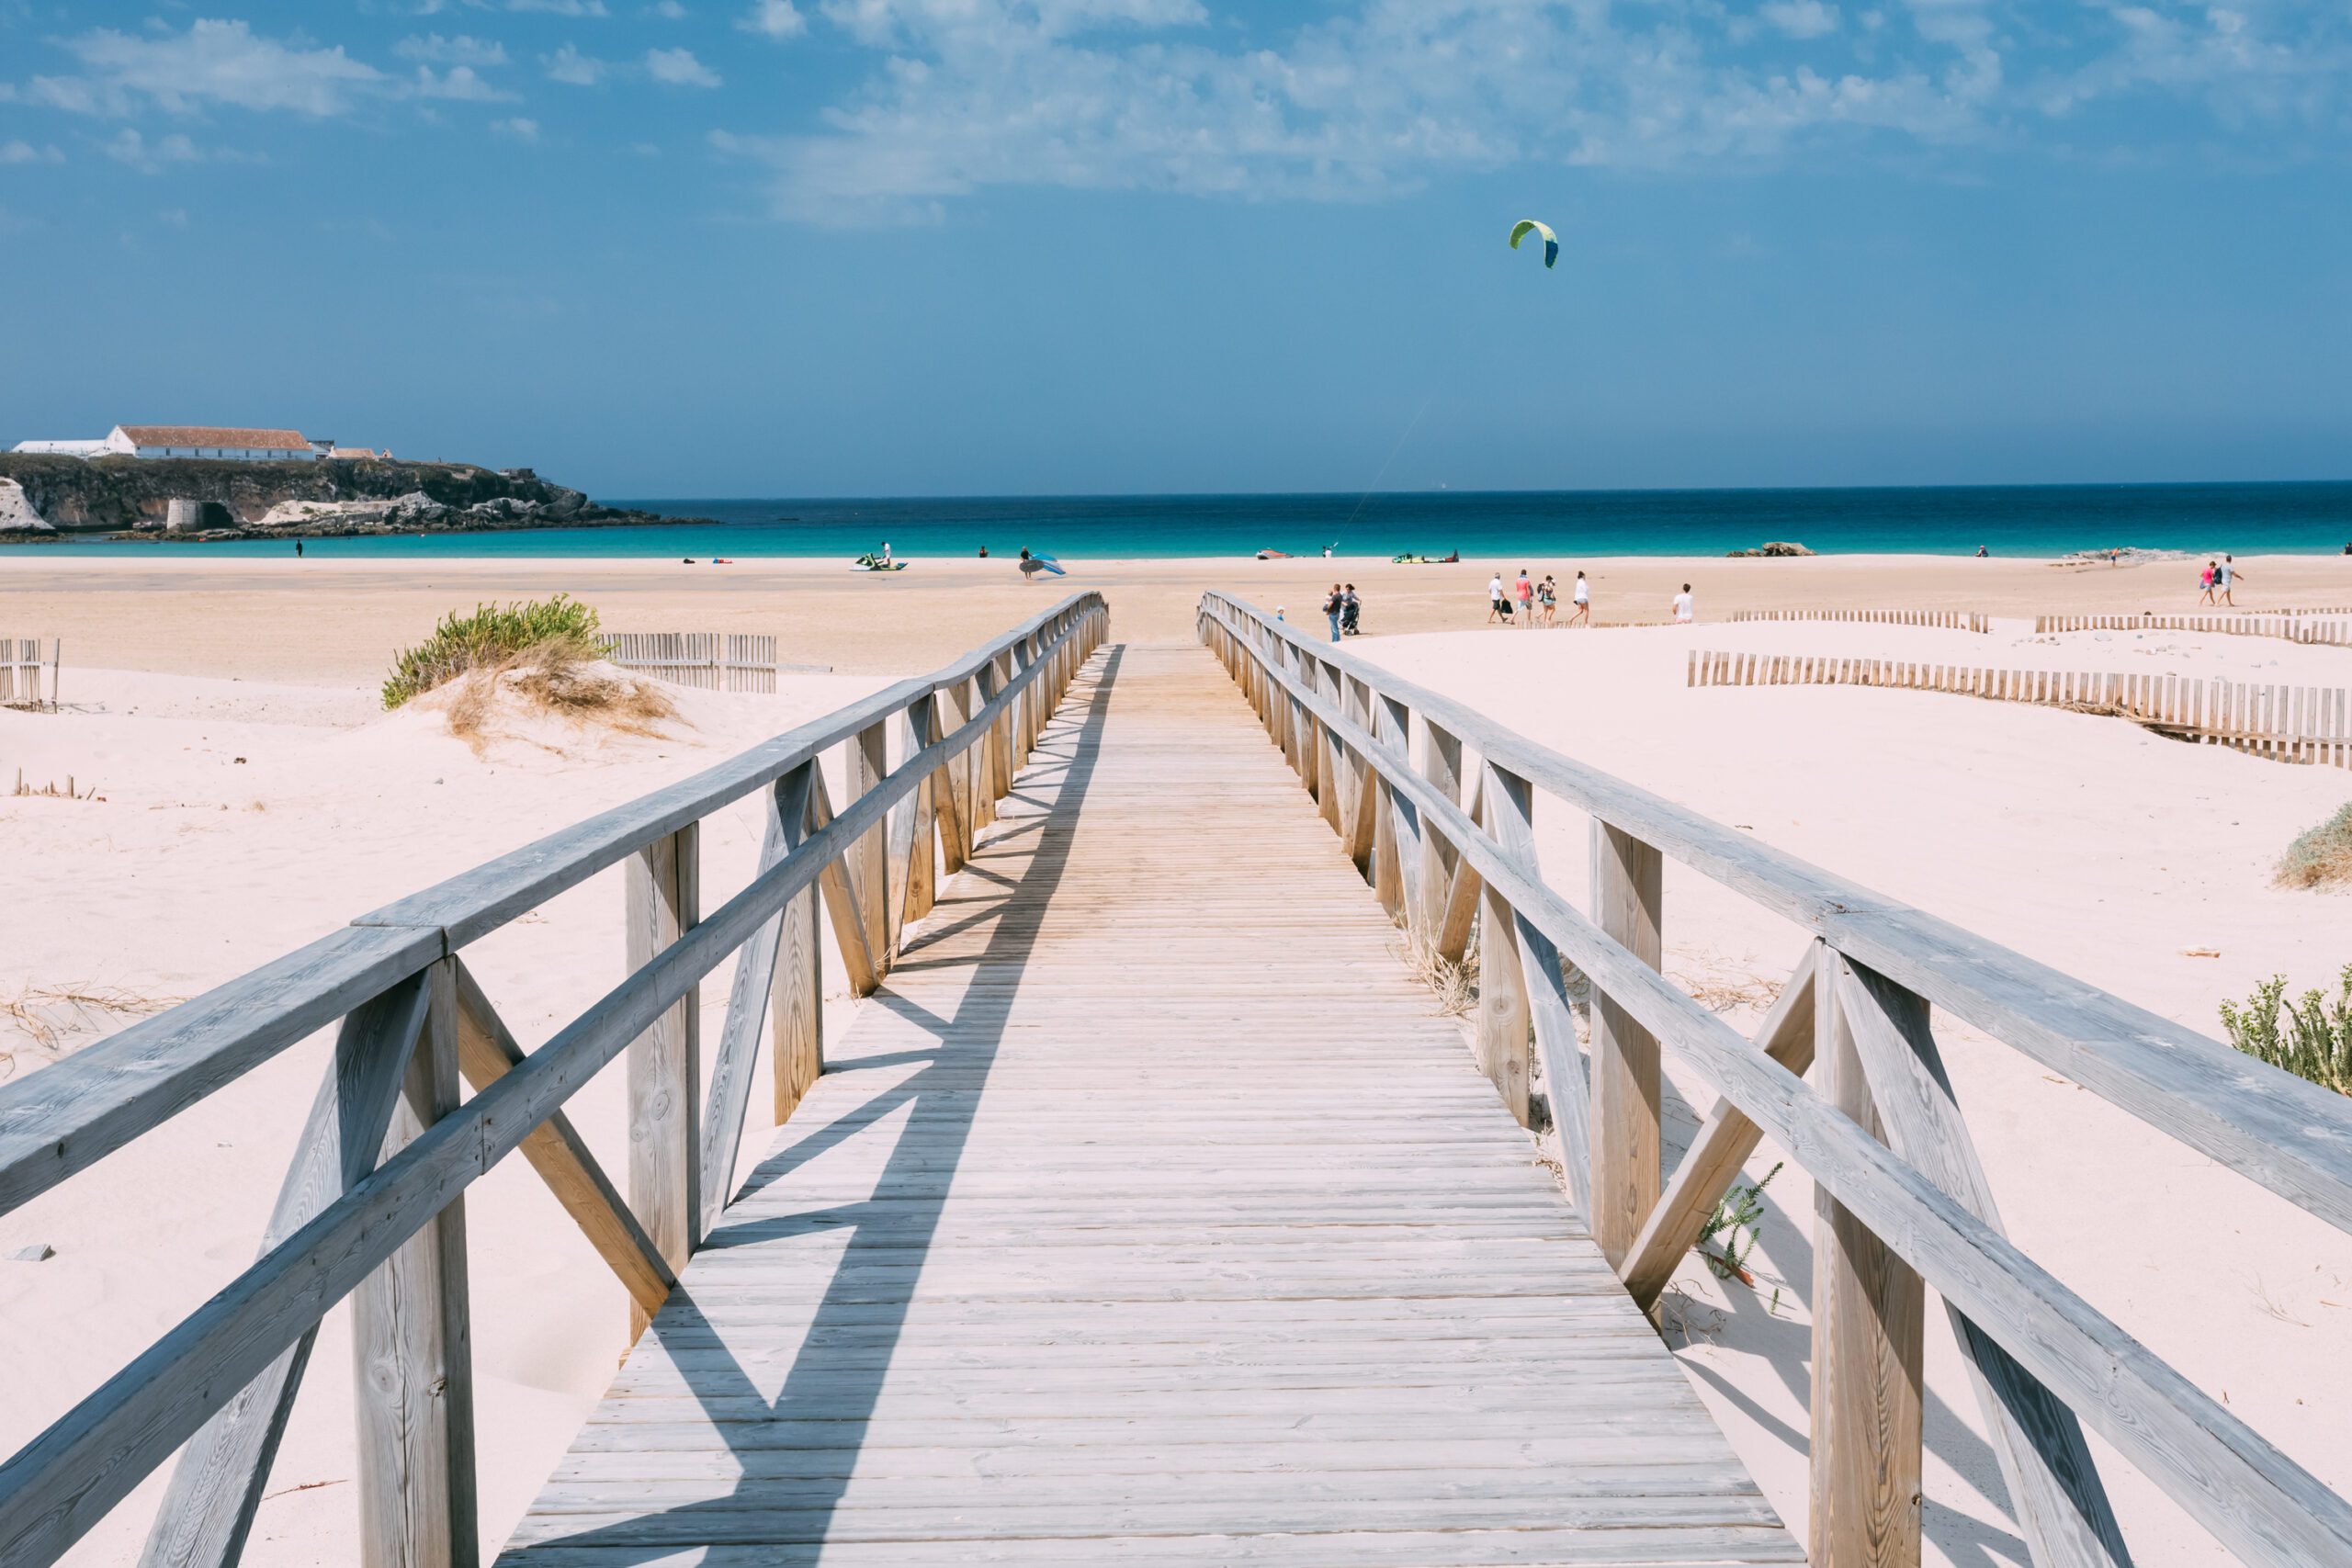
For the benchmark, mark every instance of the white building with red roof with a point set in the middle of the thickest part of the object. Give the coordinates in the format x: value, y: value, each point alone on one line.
x: 210, y: 441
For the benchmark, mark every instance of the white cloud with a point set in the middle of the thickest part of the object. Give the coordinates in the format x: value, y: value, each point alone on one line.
x: 559, y: 8
x: 568, y: 66
x: 1800, y: 19
x: 128, y: 146
x: 668, y: 10
x: 458, y: 84
x: 779, y: 20
x: 679, y: 68
x: 212, y: 62
x: 173, y: 217
x: 25, y: 152
x: 458, y: 51
x: 520, y: 129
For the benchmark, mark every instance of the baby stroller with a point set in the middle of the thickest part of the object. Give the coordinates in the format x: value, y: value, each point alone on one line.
x: 1349, y: 610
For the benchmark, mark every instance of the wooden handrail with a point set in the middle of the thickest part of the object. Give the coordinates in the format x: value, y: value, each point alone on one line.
x: 75, y: 1113
x: 346, y: 1226
x: 2043, y: 1356
x: 2269, y: 1126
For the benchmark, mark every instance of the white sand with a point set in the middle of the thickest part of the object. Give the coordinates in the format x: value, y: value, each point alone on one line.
x: 2083, y: 842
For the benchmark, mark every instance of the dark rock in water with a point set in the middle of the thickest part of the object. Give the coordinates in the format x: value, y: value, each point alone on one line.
x: 331, y: 497
x: 1773, y: 547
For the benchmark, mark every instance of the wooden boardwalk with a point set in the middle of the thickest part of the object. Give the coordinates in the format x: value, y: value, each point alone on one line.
x: 1151, y: 1214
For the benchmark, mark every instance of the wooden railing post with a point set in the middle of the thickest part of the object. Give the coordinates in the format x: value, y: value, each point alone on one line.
x: 920, y: 854
x: 1359, y: 782
x: 954, y: 783
x: 1626, y: 887
x: 1502, y: 1027
x: 1867, y: 1313
x: 869, y: 862
x: 2060, y: 1506
x: 796, y: 1000
x: 1397, y: 845
x: 1449, y: 885
x: 208, y: 1511
x: 411, y: 1342
x: 665, y: 1062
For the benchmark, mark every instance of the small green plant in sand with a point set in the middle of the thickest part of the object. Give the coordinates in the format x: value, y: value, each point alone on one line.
x: 2320, y: 855
x: 552, y: 631
x: 2311, y: 1038
x: 1741, y: 1209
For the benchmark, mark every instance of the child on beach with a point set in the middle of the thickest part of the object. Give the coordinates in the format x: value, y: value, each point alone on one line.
x: 1582, y: 595
x: 2205, y: 582
x: 1682, y: 606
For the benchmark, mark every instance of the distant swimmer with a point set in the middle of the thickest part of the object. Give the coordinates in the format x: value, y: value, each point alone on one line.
x: 984, y: 552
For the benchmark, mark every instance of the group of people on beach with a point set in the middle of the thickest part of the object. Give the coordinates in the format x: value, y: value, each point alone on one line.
x: 1530, y: 603
x: 1527, y: 603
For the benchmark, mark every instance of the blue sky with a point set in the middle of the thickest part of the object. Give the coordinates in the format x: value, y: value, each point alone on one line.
x: 737, y: 247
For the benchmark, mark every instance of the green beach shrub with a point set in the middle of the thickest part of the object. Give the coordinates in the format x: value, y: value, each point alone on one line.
x: 2319, y: 855
x: 1740, y: 1209
x: 2311, y: 1038
x: 552, y: 630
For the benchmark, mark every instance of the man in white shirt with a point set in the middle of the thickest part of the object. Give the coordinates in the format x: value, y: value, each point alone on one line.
x: 1682, y: 606
x: 1497, y: 607
x: 1582, y: 597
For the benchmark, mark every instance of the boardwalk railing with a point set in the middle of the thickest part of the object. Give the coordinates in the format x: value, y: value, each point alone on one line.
x: 2286, y: 724
x: 373, y: 1207
x: 1904, y: 1201
x: 712, y: 661
x: 2294, y: 626
x: 20, y: 666
x: 1953, y: 620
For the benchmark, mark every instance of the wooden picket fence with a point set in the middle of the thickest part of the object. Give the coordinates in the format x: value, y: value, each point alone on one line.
x: 710, y: 661
x: 2288, y: 724
x: 20, y: 667
x: 2333, y: 626
x: 1953, y: 620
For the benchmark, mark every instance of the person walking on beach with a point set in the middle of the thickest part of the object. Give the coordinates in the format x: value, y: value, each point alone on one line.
x: 1497, y: 608
x: 1526, y: 592
x: 2225, y: 578
x: 1352, y: 617
x: 1581, y: 596
x: 1548, y: 598
x: 1334, y: 603
x: 2205, y: 582
x: 298, y: 549
x: 1682, y: 606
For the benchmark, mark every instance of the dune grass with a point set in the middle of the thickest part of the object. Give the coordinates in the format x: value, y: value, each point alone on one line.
x: 2320, y: 855
x: 554, y: 633
x: 2314, y: 1040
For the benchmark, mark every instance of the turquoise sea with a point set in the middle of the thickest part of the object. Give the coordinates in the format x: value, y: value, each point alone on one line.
x: 2010, y: 520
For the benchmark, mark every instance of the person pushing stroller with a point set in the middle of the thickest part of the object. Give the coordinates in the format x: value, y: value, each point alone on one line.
x: 1350, y: 610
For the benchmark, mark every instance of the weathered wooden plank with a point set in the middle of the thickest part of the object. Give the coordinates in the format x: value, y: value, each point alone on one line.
x: 1626, y: 904
x: 1868, y: 1308
x: 732, y: 1067
x: 1510, y: 806
x: 2055, y: 1494
x: 208, y: 1511
x: 1724, y: 1143
x: 665, y: 1063
x: 75, y: 1113
x: 797, y: 1003
x: 487, y: 1051
x: 411, y: 1347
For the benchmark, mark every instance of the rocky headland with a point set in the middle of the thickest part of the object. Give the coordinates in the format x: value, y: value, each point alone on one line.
x: 44, y: 496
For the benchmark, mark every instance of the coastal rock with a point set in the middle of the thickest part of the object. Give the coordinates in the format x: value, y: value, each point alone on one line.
x: 17, y: 513
x: 46, y: 494
x: 1773, y: 547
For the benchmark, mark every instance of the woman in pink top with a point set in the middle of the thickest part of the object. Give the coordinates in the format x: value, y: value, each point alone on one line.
x: 1526, y: 592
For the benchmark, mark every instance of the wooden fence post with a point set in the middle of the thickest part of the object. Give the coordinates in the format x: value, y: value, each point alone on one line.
x: 869, y: 858
x: 1503, y: 1024
x: 1867, y: 1313
x: 1627, y: 885
x: 1449, y: 888
x: 665, y: 1062
x: 411, y: 1343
